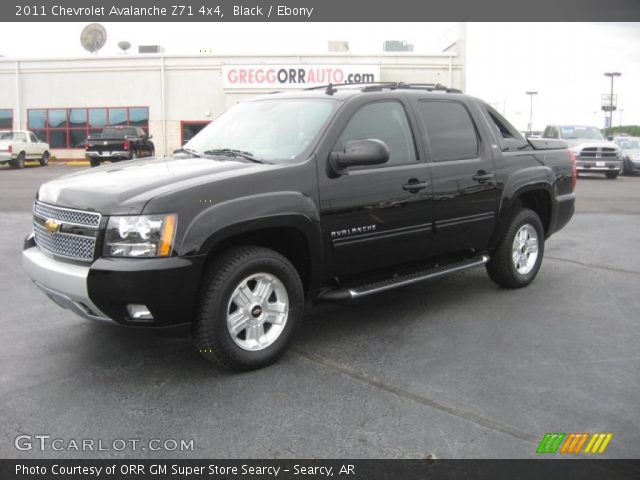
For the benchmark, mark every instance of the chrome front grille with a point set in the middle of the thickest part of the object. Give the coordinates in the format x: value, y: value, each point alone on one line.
x: 67, y: 215
x: 598, y: 152
x: 75, y: 236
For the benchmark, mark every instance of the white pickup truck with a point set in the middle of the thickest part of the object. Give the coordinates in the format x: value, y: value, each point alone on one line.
x: 18, y: 146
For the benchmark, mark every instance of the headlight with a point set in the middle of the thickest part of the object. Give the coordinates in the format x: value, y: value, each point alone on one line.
x: 140, y: 236
x: 577, y: 150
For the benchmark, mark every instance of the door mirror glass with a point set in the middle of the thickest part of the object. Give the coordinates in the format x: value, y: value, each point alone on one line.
x: 367, y: 152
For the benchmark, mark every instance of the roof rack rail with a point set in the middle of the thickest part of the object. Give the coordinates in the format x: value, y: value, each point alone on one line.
x: 331, y: 88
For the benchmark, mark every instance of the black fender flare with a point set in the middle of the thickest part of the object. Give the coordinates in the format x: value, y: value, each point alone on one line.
x: 536, y: 178
x: 246, y: 214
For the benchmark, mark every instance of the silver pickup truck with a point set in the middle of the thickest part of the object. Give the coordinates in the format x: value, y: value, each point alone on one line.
x: 593, y: 152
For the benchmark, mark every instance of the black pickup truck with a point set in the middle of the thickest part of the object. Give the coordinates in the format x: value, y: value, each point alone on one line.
x: 118, y: 143
x: 325, y: 194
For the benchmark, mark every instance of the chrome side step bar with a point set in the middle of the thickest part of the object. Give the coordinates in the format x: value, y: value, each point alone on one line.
x: 348, y: 293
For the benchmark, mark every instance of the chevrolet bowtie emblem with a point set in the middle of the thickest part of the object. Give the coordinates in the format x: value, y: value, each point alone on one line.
x: 52, y: 225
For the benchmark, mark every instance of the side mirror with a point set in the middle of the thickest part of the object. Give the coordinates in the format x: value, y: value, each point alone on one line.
x: 610, y: 138
x: 370, y: 151
x: 149, y: 137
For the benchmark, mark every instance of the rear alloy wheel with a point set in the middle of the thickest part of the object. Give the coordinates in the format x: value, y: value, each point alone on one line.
x: 19, y: 161
x: 250, y: 302
x: 612, y: 175
x: 517, y: 258
x: 44, y: 161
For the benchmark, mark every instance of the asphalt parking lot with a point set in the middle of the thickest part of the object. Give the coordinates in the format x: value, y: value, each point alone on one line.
x: 457, y: 368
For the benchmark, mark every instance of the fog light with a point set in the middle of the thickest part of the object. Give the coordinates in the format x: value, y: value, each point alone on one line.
x: 139, y: 313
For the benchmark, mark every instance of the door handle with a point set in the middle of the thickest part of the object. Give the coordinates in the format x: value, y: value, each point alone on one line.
x: 482, y: 176
x: 414, y: 185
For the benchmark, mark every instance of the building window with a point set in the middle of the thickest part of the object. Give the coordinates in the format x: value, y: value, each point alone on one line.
x: 6, y: 119
x: 69, y: 127
x: 188, y: 129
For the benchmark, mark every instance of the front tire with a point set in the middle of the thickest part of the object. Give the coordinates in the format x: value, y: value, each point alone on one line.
x: 517, y: 258
x: 44, y: 161
x: 251, y: 301
x: 612, y: 175
x: 94, y: 162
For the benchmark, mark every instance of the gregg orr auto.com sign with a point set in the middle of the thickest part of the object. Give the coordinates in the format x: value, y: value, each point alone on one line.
x: 296, y: 76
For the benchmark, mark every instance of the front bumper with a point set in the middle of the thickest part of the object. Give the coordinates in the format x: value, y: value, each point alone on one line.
x: 64, y: 283
x: 633, y: 165
x: 599, y: 164
x: 168, y: 287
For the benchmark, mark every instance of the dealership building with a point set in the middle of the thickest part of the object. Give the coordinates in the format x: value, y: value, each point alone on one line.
x: 173, y: 96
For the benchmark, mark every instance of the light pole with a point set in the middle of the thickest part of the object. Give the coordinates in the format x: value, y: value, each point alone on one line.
x: 531, y: 94
x: 620, y: 112
x: 612, y: 75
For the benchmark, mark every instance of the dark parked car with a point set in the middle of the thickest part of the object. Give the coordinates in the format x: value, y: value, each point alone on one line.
x: 321, y: 195
x: 630, y: 154
x: 118, y: 143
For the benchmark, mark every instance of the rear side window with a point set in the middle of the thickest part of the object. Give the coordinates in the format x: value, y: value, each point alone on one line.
x: 450, y: 130
x: 386, y: 121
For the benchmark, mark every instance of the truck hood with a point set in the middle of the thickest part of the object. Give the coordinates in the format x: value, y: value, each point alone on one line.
x: 125, y: 187
x: 583, y: 142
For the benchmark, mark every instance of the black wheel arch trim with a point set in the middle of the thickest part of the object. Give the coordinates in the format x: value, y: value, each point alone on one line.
x: 220, y: 222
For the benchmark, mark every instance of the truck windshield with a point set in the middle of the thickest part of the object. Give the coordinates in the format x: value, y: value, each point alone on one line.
x: 272, y: 130
x: 118, y: 132
x: 588, y: 133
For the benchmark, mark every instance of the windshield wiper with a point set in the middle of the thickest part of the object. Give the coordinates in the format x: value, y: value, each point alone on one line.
x: 230, y: 152
x: 188, y: 151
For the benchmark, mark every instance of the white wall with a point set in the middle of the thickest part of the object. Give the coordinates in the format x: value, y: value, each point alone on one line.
x: 193, y: 88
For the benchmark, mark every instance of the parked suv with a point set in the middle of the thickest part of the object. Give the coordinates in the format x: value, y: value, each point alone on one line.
x: 593, y: 152
x: 325, y: 194
x: 18, y: 146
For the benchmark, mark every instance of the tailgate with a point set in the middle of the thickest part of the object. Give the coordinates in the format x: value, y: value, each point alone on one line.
x: 100, y: 145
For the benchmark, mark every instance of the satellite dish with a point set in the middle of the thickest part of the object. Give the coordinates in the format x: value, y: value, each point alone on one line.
x: 93, y: 37
x: 124, y: 46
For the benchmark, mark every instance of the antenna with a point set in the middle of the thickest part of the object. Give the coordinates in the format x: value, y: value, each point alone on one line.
x: 124, y: 46
x: 93, y: 37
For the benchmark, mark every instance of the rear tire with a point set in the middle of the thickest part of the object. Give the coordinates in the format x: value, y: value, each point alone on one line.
x: 44, y: 161
x: 19, y: 161
x: 612, y: 175
x: 251, y: 300
x: 517, y: 258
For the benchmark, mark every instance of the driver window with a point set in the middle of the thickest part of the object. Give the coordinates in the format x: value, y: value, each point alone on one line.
x: 386, y: 121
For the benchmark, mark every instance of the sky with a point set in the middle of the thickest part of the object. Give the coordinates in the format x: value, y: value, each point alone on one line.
x: 564, y: 62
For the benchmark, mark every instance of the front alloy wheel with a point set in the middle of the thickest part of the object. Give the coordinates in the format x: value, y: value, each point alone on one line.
x: 251, y: 299
x: 257, y: 312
